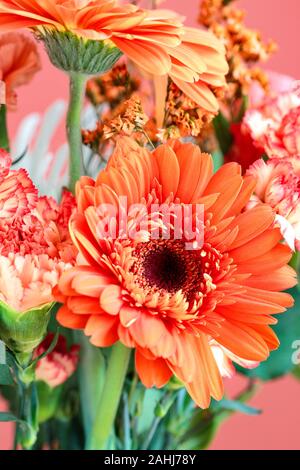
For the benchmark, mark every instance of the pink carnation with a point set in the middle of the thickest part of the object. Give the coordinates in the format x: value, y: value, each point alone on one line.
x: 55, y: 368
x: 278, y: 185
x: 35, y: 245
x: 275, y: 125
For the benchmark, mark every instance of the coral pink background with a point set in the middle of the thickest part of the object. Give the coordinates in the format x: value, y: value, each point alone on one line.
x: 278, y: 426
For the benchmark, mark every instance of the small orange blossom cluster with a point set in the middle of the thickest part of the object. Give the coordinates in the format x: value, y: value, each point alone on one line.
x: 112, y: 88
x: 183, y: 117
x: 245, y: 47
x: 128, y: 119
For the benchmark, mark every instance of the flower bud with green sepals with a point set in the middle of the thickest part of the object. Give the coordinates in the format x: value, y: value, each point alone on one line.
x: 22, y: 332
x: 72, y: 53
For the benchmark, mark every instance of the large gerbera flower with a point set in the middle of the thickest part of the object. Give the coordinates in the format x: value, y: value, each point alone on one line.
x: 177, y: 307
x: 155, y: 40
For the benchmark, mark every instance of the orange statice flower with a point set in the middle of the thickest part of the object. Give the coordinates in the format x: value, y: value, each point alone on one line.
x: 245, y: 47
x: 183, y: 117
x: 19, y: 62
x: 181, y: 309
x: 156, y: 41
x: 113, y: 87
x: 35, y: 246
x: 130, y: 121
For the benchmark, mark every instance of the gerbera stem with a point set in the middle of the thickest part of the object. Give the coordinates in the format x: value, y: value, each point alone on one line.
x: 77, y: 89
x: 4, y: 139
x: 110, y: 398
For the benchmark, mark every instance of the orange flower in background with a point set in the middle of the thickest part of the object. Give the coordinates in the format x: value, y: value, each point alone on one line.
x: 278, y: 185
x: 55, y: 368
x: 177, y: 307
x: 156, y: 41
x: 19, y: 62
x: 35, y: 246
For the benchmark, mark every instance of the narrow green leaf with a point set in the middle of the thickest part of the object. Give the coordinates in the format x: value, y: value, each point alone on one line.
x: 234, y: 405
x: 6, y: 417
x: 218, y: 159
x: 48, y: 351
x: 6, y: 377
x: 296, y: 372
x: 2, y: 353
x: 224, y: 136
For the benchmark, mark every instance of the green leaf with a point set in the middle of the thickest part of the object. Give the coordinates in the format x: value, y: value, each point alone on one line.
x: 296, y: 372
x: 6, y: 377
x: 27, y: 374
x: 218, y: 159
x: 203, y: 437
x: 2, y: 353
x: 224, y: 136
x: 235, y: 405
x: 152, y: 397
x: 281, y: 362
x: 295, y: 263
x: 6, y: 417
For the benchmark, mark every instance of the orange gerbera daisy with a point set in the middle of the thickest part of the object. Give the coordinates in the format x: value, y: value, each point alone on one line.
x: 155, y: 40
x: 174, y: 306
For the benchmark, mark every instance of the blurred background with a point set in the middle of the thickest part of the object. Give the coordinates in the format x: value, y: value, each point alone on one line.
x: 278, y: 425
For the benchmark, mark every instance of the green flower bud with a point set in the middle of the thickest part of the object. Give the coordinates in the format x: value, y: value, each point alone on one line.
x: 49, y: 399
x: 22, y: 332
x: 71, y: 53
x: 174, y: 384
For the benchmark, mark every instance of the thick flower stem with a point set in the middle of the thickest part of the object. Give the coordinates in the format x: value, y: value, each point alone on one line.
x: 77, y: 89
x: 110, y: 398
x: 4, y: 139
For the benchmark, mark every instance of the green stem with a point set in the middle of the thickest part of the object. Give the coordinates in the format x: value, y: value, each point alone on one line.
x: 4, y: 139
x: 77, y: 90
x: 110, y: 398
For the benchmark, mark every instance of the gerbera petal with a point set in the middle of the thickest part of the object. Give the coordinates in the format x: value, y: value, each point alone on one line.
x: 70, y: 320
x: 198, y: 92
x: 150, y: 57
x: 242, y: 341
x: 252, y: 223
x: 102, y: 330
x: 280, y: 279
x: 195, y: 169
x: 153, y: 373
x: 169, y: 171
x: 111, y: 299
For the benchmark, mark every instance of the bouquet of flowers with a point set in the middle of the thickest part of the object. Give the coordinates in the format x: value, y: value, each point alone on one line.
x: 172, y: 240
